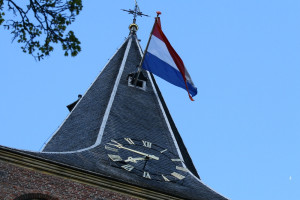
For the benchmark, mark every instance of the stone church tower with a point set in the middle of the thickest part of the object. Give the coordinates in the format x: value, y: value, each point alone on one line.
x: 118, y: 142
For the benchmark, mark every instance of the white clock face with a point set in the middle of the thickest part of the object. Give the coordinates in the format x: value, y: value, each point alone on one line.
x: 146, y: 159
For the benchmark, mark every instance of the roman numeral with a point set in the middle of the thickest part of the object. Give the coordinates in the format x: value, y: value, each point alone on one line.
x: 182, y: 169
x: 165, y: 178
x: 146, y: 175
x: 147, y: 144
x: 179, y: 176
x: 129, y: 140
x: 176, y: 160
x: 111, y: 149
x: 115, y: 157
x: 164, y: 151
x: 116, y: 144
x: 127, y: 167
x: 114, y: 141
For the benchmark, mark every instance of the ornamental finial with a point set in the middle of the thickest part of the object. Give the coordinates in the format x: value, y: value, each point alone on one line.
x: 136, y: 12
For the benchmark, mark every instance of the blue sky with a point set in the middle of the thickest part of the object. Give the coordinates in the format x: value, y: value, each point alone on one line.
x: 242, y: 131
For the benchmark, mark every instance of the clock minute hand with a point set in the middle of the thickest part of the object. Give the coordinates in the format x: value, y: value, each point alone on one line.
x: 141, y: 153
x: 135, y: 151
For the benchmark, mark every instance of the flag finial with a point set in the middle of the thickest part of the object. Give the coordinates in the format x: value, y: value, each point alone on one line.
x: 158, y: 13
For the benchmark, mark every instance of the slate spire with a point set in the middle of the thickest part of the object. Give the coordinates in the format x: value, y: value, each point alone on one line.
x: 112, y: 106
x: 125, y: 132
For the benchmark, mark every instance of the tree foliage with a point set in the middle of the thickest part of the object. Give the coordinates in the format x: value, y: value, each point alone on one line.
x: 38, y: 24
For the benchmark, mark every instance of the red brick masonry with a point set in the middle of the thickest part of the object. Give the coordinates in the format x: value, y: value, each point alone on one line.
x: 17, y: 182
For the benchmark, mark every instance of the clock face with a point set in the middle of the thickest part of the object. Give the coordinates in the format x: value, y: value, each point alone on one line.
x: 146, y: 159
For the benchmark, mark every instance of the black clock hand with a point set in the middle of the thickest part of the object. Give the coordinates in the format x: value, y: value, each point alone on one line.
x: 146, y: 158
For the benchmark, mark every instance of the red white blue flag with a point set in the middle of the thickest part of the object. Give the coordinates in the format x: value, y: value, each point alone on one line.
x: 162, y: 60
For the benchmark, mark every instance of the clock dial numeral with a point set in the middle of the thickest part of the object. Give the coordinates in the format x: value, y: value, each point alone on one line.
x: 147, y: 144
x: 164, y: 151
x: 129, y: 140
x: 134, y: 160
x: 115, y: 157
x: 165, y: 178
x: 146, y: 175
x: 114, y: 141
x: 179, y: 176
x: 176, y: 160
x: 111, y: 149
x: 127, y: 167
x: 116, y: 144
x: 182, y: 169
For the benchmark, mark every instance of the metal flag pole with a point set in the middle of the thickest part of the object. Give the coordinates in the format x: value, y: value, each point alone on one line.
x: 144, y: 53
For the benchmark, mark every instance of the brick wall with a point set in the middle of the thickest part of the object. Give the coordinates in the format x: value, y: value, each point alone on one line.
x: 17, y: 182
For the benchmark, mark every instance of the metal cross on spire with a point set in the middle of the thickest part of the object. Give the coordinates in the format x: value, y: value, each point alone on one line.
x: 136, y: 12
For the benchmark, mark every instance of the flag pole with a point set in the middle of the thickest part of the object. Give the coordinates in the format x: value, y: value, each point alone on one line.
x: 143, y: 58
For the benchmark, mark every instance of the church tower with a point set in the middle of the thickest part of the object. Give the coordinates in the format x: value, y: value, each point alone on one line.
x: 118, y: 142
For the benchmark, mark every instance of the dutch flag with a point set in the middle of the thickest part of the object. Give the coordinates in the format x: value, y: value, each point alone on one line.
x: 162, y: 60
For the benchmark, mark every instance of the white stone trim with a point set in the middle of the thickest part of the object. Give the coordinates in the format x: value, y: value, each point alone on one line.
x: 112, y: 97
x: 108, y: 108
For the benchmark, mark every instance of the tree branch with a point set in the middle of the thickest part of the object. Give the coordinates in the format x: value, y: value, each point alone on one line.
x: 47, y: 26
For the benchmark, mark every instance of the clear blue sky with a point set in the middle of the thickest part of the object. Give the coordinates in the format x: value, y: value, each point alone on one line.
x: 243, y: 130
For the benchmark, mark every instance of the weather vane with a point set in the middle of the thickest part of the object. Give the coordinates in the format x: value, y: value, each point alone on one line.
x: 136, y: 12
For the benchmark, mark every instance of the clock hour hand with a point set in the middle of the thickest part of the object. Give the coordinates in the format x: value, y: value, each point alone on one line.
x: 120, y: 146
